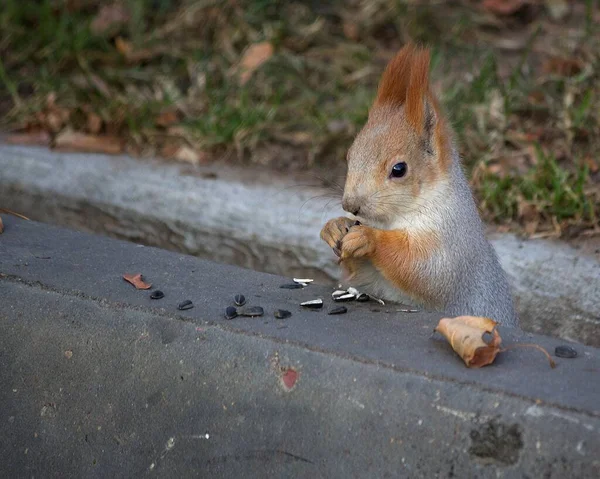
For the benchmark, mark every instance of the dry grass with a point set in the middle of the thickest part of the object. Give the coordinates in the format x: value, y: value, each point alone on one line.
x: 163, y: 77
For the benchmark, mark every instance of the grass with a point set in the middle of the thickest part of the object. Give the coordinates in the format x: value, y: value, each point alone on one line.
x: 522, y: 91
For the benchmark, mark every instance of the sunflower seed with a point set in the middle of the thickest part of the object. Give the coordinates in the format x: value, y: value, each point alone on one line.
x: 313, y: 304
x: 356, y: 223
x: 230, y: 312
x: 291, y: 286
x: 362, y: 298
x: 407, y: 310
x: 353, y: 291
x: 187, y: 304
x: 239, y: 300
x: 565, y: 352
x: 303, y: 281
x: 282, y: 314
x: 158, y: 294
x: 251, y: 312
x: 338, y: 310
x: 337, y: 293
x: 345, y: 297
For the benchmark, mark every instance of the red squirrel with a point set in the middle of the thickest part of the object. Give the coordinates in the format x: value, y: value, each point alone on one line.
x: 415, y: 235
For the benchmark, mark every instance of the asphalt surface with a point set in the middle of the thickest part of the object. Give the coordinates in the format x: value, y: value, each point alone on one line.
x: 98, y: 379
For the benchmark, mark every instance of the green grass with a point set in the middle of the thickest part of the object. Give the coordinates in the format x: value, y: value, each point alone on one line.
x: 310, y: 99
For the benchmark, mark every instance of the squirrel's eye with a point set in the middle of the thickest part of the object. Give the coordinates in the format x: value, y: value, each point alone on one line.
x: 399, y: 170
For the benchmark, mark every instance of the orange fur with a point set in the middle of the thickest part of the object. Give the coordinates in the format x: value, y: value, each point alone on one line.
x: 406, y: 82
x: 398, y: 255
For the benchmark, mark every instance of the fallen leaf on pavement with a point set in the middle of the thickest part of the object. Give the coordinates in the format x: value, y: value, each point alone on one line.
x: 70, y: 140
x: 254, y: 56
x: 36, y: 138
x: 137, y: 281
x: 466, y: 336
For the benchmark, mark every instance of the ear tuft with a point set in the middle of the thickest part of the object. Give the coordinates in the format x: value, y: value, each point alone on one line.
x: 406, y: 82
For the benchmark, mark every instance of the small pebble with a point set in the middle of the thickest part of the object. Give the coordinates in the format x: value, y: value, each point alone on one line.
x: 282, y: 314
x: 313, y: 304
x: 344, y: 297
x: 362, y: 298
x: 187, y: 304
x: 565, y: 352
x: 339, y: 310
x: 291, y: 286
x: 252, y: 312
x: 158, y: 294
x: 239, y: 300
x: 230, y: 312
x: 303, y: 281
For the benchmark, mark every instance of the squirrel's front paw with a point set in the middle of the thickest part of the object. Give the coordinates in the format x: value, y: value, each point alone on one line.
x: 334, y: 230
x: 360, y: 241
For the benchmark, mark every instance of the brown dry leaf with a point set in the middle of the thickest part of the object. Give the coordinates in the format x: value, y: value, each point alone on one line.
x: 189, y: 155
x: 504, y: 7
x: 350, y: 30
x: 94, y: 123
x: 1, y: 226
x: 137, y: 281
x: 254, y: 56
x: 167, y: 118
x: 566, y: 67
x: 70, y: 140
x: 123, y: 46
x: 465, y: 334
x: 36, y: 138
x: 592, y: 164
x: 108, y: 17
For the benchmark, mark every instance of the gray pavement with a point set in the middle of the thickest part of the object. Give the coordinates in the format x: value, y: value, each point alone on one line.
x: 99, y: 380
x: 265, y: 222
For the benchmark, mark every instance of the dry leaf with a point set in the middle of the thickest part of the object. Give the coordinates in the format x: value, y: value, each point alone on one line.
x: 94, y: 123
x: 504, y: 7
x: 108, y: 17
x: 465, y: 334
x: 37, y: 138
x: 1, y: 226
x: 189, y: 155
x: 70, y: 140
x: 167, y: 118
x: 254, y: 56
x: 591, y: 164
x: 566, y: 67
x: 123, y: 46
x: 350, y: 30
x: 137, y: 281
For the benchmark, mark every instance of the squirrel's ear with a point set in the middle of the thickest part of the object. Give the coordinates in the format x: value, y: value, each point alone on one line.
x: 406, y: 82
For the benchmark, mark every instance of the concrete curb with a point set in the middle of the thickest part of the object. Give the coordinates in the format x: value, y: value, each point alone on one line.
x: 262, y: 222
x: 99, y: 380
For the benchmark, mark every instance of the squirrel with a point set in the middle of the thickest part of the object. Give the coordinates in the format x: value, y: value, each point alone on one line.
x: 414, y: 234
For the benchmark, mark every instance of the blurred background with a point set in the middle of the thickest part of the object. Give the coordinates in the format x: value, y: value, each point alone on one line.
x: 287, y: 84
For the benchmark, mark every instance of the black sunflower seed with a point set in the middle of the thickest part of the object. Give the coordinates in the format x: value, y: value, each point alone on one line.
x: 239, y: 300
x: 230, y: 312
x: 251, y: 312
x: 291, y: 286
x: 187, y: 304
x: 158, y: 294
x: 565, y: 352
x: 282, y: 314
x: 338, y: 310
x: 362, y: 298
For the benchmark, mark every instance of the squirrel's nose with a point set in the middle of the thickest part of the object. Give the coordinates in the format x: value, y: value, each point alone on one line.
x: 351, y: 205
